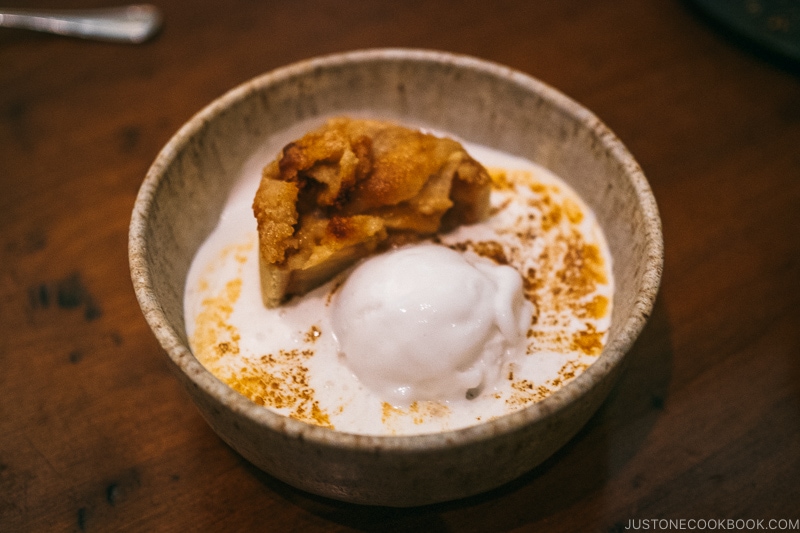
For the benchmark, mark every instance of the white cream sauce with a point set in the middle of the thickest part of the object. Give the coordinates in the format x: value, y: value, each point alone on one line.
x: 286, y: 358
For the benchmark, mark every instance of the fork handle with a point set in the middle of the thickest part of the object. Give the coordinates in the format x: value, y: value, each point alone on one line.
x: 130, y: 24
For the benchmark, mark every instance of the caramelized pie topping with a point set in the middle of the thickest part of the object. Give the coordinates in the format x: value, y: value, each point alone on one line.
x: 352, y: 187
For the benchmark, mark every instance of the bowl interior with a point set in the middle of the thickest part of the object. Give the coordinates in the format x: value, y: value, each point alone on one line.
x: 181, y: 199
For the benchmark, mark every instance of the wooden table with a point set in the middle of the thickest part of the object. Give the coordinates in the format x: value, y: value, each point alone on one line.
x: 95, y: 433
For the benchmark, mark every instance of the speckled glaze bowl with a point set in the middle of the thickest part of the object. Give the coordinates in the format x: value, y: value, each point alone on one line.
x: 181, y: 198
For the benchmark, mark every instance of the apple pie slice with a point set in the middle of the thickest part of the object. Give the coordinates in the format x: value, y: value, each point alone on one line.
x: 352, y: 187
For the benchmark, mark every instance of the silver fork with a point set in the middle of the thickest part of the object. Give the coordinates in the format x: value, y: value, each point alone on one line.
x: 128, y: 24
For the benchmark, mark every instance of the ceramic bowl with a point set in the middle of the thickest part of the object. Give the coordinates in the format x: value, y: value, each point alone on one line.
x: 180, y: 201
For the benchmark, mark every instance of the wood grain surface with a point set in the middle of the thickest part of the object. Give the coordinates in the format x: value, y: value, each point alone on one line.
x: 95, y: 433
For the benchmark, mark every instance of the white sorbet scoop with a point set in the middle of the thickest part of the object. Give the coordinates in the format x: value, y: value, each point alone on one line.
x: 428, y: 323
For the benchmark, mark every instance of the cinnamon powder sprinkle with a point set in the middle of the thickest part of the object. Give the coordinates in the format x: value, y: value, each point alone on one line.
x: 280, y: 380
x: 526, y: 392
x: 312, y: 334
x: 489, y: 249
x: 588, y: 341
x: 500, y: 180
x: 565, y: 279
x: 336, y: 286
x: 420, y: 412
x: 213, y: 331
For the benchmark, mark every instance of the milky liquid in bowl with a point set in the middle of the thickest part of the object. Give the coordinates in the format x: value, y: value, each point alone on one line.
x: 286, y: 358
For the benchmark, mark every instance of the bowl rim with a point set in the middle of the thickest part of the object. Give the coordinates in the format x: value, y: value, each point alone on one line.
x: 185, y: 361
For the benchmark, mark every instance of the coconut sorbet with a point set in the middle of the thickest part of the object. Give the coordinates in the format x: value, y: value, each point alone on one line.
x: 462, y: 328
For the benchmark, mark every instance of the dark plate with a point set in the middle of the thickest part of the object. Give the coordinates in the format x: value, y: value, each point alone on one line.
x: 773, y: 25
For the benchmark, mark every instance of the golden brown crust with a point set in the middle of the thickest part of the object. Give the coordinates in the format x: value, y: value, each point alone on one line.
x: 342, y: 191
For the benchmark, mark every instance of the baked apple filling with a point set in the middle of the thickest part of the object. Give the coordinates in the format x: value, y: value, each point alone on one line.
x: 354, y: 187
